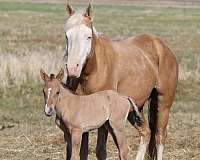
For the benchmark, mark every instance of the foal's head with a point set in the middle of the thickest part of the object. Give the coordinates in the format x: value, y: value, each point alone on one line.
x: 51, y: 90
x: 79, y: 35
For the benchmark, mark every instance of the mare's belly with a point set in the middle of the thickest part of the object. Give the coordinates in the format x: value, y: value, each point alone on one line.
x: 137, y: 74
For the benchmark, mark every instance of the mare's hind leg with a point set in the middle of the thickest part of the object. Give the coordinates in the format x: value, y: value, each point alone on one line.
x: 145, y: 134
x: 164, y: 105
x: 101, y: 153
x: 166, y: 89
x: 118, y: 133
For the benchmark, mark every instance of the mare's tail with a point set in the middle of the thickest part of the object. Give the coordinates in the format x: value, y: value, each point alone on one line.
x: 136, y: 114
x: 152, y: 117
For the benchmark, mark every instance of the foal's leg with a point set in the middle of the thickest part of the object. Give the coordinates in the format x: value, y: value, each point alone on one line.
x: 118, y: 135
x: 101, y: 143
x: 145, y: 135
x: 76, y: 135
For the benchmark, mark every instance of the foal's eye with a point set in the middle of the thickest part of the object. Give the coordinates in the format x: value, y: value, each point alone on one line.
x: 57, y: 92
x: 89, y: 38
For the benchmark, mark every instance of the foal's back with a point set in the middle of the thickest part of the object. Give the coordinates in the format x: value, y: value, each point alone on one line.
x: 92, y: 111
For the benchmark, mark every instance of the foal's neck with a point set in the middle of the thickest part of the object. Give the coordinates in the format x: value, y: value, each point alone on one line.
x: 65, y: 96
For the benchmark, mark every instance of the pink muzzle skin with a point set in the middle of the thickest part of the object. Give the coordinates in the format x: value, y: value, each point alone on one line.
x: 48, y: 111
x: 73, y: 71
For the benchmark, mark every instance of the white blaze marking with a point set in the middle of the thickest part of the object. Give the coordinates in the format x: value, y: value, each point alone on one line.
x: 142, y: 149
x: 48, y: 95
x: 78, y: 35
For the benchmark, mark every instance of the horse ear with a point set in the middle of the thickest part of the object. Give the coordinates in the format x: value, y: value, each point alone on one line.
x: 43, y: 75
x: 88, y: 12
x: 60, y: 75
x: 69, y: 9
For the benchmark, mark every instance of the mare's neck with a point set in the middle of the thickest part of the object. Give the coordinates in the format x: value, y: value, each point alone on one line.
x: 101, y: 56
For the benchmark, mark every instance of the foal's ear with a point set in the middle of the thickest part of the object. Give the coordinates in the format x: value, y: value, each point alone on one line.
x: 60, y: 75
x: 88, y: 12
x: 69, y: 9
x: 43, y: 75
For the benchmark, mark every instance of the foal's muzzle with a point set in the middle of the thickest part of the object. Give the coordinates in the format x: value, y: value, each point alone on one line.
x: 48, y: 111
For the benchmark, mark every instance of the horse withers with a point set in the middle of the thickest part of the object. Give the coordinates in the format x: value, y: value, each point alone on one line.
x: 76, y: 114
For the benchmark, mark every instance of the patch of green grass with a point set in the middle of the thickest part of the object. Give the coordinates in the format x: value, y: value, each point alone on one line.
x: 34, y: 7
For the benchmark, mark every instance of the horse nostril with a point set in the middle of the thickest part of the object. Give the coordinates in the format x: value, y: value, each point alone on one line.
x: 77, y: 65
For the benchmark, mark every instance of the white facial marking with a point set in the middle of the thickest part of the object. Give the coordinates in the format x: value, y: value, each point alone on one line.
x: 142, y: 149
x: 48, y: 95
x: 49, y: 92
x: 78, y: 47
x: 47, y: 109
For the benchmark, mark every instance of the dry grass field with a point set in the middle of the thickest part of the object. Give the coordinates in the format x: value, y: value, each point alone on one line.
x: 32, y: 36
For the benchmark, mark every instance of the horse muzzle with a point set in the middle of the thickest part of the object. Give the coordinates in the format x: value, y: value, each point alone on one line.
x: 48, y: 111
x: 73, y: 71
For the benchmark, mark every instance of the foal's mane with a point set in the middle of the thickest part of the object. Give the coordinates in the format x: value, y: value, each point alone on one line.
x: 52, y: 76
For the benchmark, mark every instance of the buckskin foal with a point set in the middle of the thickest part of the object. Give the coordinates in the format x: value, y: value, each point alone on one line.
x: 142, y: 67
x: 77, y: 114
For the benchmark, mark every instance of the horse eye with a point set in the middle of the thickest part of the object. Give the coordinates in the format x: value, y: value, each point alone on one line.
x: 57, y: 92
x: 89, y: 38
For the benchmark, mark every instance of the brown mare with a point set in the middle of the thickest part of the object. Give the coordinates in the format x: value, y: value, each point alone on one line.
x: 142, y: 67
x: 76, y: 114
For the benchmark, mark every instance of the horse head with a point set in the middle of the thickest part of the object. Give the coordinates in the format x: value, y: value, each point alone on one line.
x: 79, y: 35
x: 51, y: 90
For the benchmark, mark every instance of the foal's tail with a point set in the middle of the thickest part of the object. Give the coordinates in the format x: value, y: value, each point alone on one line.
x: 136, y: 114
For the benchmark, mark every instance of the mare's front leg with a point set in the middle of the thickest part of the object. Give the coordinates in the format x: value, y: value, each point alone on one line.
x: 84, y: 146
x: 101, y: 143
x: 76, y: 136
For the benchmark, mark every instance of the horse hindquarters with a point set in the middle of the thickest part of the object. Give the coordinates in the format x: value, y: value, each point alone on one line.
x: 161, y: 99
